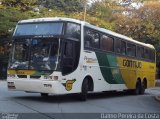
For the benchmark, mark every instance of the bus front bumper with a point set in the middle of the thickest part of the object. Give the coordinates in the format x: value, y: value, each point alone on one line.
x: 39, y: 86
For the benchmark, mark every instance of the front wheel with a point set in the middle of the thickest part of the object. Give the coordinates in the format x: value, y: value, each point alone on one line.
x: 84, y: 90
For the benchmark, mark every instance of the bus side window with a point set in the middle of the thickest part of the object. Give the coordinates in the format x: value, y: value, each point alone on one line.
x: 131, y: 50
x: 73, y: 31
x: 91, y: 39
x: 87, y: 41
x: 106, y: 43
x: 118, y: 46
x: 152, y: 55
x: 123, y: 47
x: 96, y: 40
x: 146, y: 54
x: 140, y: 52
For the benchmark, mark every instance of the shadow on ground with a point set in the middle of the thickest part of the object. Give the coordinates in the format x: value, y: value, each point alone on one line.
x: 74, y: 97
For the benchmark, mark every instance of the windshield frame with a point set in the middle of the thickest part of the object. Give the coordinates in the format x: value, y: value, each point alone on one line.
x: 60, y: 37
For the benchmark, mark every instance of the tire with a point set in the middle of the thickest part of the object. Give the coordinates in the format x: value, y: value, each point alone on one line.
x: 44, y: 94
x: 137, y: 91
x: 84, y: 90
x: 142, y: 88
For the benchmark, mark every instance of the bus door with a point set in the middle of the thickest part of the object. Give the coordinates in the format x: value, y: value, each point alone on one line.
x: 68, y: 57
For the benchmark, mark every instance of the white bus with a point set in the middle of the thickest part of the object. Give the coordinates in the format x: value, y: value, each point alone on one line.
x: 66, y: 56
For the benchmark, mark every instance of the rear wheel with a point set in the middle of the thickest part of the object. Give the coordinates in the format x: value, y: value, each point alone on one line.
x: 143, y: 87
x: 137, y: 91
x: 84, y: 90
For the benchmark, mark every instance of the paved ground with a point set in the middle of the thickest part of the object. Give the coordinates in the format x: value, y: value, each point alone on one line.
x: 21, y: 105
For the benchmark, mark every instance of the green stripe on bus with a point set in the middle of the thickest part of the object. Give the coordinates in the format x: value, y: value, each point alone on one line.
x: 109, y: 69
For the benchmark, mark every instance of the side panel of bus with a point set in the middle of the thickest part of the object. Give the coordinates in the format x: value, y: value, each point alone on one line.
x: 119, y: 72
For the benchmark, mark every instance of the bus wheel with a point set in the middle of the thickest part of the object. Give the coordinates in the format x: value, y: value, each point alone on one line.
x: 143, y: 87
x: 44, y: 94
x: 137, y: 91
x: 84, y: 90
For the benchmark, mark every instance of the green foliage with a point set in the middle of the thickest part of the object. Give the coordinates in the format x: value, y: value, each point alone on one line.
x: 7, y: 21
x: 68, y: 6
x: 11, y: 11
x: 23, y: 5
x: 141, y: 24
x: 102, y: 9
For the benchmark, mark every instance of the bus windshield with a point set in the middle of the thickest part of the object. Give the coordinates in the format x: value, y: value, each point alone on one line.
x: 35, y: 54
x: 39, y: 29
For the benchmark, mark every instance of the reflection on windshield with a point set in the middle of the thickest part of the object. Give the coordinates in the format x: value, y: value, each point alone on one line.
x: 43, y: 55
x: 35, y: 54
x: 20, y: 57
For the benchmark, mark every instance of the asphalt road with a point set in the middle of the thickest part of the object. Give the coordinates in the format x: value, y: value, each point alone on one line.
x: 22, y: 105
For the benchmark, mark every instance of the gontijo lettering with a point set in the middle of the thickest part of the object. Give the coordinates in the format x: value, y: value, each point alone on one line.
x: 132, y: 64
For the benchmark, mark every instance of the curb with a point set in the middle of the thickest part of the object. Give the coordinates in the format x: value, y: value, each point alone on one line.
x: 157, y: 98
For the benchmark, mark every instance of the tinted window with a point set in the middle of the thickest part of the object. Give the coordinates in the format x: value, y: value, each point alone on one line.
x: 20, y: 58
x: 106, y: 43
x: 152, y: 55
x: 73, y: 30
x: 123, y: 47
x: 68, y: 52
x: 120, y: 46
x: 91, y: 39
x: 146, y: 54
x: 140, y: 52
x: 131, y: 50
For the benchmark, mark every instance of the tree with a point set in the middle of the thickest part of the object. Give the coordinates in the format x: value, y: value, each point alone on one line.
x: 7, y: 21
x: 103, y: 8
x: 23, y: 5
x: 67, y: 6
x: 143, y: 24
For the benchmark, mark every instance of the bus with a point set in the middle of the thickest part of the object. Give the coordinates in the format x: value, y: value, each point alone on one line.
x: 68, y: 56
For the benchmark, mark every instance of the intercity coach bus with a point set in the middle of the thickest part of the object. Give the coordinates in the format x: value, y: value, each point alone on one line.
x: 66, y: 56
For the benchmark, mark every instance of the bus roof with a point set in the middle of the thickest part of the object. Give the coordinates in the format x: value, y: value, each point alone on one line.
x: 49, y: 19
